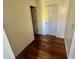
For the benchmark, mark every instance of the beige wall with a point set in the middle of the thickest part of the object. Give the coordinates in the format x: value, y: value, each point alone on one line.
x: 18, y: 23
x: 70, y: 26
x: 62, y: 14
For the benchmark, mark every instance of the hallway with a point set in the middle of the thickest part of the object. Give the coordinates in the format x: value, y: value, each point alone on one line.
x: 44, y: 47
x: 49, y: 18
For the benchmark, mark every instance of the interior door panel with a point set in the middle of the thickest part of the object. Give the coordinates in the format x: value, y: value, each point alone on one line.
x: 51, y: 19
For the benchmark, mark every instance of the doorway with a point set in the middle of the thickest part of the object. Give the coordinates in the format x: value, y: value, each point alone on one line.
x: 34, y: 19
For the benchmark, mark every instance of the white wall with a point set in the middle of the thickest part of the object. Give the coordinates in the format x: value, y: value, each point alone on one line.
x: 70, y: 27
x: 7, y: 51
x: 63, y: 9
x: 33, y: 2
x: 72, y: 49
x: 18, y: 23
x: 62, y: 16
x: 39, y: 16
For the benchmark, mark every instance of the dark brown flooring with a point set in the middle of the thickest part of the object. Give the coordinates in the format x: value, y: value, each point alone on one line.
x: 44, y: 47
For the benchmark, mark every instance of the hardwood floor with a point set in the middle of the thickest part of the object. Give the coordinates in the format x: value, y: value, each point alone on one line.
x: 44, y: 47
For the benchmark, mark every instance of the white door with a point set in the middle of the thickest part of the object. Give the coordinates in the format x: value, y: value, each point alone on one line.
x: 51, y: 19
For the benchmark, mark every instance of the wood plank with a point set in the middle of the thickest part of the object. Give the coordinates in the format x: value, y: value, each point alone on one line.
x: 44, y: 47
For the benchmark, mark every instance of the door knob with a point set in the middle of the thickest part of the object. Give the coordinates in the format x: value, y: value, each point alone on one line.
x: 45, y: 22
x: 73, y: 25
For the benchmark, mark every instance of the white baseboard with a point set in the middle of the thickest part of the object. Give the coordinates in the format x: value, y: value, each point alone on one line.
x: 66, y: 49
x: 71, y: 57
x: 59, y: 36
